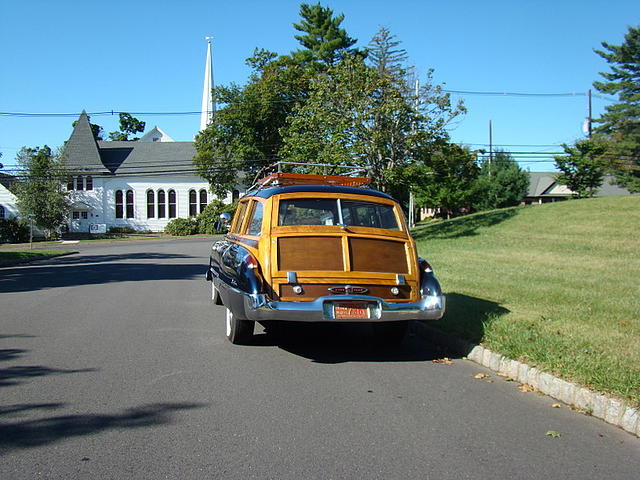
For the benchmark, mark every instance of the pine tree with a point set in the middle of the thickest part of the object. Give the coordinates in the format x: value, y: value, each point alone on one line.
x: 325, y: 42
x: 620, y: 124
x: 384, y: 54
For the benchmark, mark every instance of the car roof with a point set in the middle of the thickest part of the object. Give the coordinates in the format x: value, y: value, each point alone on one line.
x: 271, y: 191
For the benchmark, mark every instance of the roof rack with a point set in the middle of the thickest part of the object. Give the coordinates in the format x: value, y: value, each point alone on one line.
x: 279, y: 178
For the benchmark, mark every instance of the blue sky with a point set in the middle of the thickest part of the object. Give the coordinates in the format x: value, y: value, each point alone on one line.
x: 148, y: 56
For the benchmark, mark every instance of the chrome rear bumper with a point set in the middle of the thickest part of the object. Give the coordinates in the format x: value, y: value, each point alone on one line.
x: 257, y: 307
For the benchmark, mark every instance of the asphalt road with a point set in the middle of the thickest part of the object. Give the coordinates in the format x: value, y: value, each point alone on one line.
x: 114, y: 364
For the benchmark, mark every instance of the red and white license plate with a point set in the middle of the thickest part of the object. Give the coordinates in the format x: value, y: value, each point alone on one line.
x: 346, y: 311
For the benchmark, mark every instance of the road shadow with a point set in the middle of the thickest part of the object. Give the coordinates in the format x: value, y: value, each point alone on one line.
x: 45, y: 431
x: 15, y: 375
x: 109, y: 258
x: 96, y: 269
x: 334, y: 343
x: 467, y: 317
x: 463, y: 226
x: 11, y: 354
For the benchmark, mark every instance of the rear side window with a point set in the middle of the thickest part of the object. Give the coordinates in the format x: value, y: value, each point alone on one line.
x: 239, y: 217
x: 366, y: 214
x: 255, y: 224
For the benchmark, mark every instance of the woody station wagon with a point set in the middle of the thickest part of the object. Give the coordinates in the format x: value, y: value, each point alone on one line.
x: 321, y: 248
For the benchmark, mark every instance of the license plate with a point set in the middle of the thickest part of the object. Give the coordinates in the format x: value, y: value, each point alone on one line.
x: 345, y: 311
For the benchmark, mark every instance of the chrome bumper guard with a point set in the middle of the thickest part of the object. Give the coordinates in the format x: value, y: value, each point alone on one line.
x: 258, y: 307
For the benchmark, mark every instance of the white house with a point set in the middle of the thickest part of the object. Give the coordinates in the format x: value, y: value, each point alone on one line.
x: 142, y: 185
x: 8, y: 207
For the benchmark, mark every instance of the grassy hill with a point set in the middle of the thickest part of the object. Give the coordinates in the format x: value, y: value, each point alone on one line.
x: 554, y: 285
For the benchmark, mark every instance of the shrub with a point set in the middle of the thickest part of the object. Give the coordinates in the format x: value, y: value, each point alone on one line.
x: 13, y: 230
x: 182, y: 227
x: 121, y: 230
x: 209, y: 219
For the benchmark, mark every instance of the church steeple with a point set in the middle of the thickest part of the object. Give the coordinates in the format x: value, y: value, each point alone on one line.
x: 208, y: 105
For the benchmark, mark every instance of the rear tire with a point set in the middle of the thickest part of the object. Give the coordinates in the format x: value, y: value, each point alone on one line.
x: 390, y: 333
x: 239, y: 332
x: 215, y: 294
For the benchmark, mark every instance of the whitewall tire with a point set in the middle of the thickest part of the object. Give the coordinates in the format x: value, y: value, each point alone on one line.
x: 239, y: 332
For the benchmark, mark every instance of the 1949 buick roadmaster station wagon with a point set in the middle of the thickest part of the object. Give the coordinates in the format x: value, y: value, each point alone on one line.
x: 321, y: 248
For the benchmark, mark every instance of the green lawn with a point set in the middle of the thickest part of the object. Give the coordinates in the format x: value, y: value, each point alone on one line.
x: 26, y: 255
x: 555, y: 285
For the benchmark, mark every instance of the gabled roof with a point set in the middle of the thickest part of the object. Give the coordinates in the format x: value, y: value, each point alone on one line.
x: 7, y: 180
x: 84, y: 154
x: 540, y: 183
x: 147, y: 158
x: 81, y: 151
x: 156, y: 134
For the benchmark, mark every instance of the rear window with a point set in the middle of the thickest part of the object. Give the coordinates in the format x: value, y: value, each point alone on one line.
x: 326, y: 211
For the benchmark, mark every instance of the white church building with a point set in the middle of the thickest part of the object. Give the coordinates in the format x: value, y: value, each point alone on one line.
x: 141, y: 184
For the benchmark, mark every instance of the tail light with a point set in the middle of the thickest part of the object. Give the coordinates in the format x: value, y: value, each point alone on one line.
x: 425, y: 266
x: 251, y: 262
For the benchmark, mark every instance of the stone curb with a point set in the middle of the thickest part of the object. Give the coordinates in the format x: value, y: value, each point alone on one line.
x: 611, y: 410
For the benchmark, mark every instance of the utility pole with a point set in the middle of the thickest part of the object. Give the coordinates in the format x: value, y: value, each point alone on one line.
x: 589, y: 117
x: 412, y: 213
x: 490, y: 146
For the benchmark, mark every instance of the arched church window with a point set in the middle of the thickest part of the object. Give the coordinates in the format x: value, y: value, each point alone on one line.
x: 235, y: 195
x: 79, y: 183
x: 69, y: 183
x: 193, y: 204
x: 89, y: 182
x: 172, y: 204
x: 119, y: 204
x: 130, y: 211
x: 203, y: 199
x: 151, y: 204
x: 162, y: 204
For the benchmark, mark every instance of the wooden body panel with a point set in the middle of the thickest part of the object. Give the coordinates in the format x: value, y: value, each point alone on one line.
x: 325, y: 255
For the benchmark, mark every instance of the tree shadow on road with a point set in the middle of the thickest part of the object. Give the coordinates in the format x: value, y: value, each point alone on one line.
x: 97, y: 269
x: 13, y: 375
x: 44, y: 431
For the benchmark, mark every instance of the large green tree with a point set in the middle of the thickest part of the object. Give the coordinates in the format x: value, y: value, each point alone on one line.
x: 445, y: 180
x: 39, y: 189
x: 582, y: 168
x: 369, y: 114
x: 501, y: 183
x: 620, y: 124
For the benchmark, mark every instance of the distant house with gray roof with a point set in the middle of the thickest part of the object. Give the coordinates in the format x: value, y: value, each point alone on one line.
x: 544, y: 188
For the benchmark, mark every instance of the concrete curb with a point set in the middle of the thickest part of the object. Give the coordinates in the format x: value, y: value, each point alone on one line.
x: 611, y: 410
